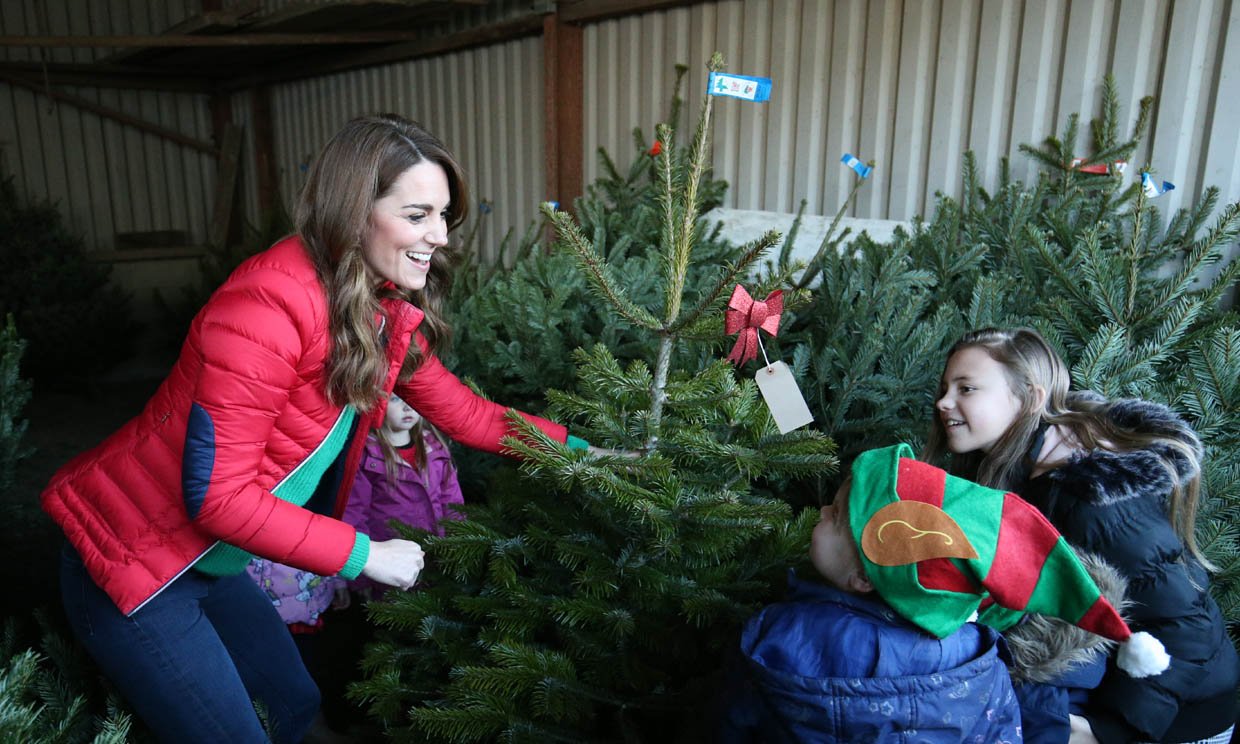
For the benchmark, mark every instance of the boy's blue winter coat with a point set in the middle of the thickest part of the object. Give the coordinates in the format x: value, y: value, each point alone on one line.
x: 826, y: 666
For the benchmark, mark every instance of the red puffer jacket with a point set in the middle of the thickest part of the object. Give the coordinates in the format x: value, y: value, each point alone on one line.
x: 244, y: 406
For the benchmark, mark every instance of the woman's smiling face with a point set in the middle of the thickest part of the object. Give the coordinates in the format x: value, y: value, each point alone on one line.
x: 407, y: 225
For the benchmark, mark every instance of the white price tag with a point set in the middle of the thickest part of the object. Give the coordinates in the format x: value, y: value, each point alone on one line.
x: 783, y: 397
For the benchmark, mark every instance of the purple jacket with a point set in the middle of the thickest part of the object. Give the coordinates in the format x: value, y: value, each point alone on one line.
x: 418, y: 498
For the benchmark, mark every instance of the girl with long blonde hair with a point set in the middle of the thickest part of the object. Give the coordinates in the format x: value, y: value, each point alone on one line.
x: 1119, y: 479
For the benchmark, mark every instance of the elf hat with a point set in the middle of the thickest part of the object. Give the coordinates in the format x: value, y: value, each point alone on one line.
x: 943, y: 550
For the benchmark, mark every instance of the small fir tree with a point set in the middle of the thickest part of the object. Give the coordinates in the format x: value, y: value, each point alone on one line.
x: 54, y: 696
x: 77, y: 324
x: 14, y: 395
x: 592, y: 600
x: 517, y: 318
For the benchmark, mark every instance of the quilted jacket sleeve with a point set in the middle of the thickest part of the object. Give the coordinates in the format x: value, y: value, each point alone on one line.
x: 471, y: 420
x: 251, y: 337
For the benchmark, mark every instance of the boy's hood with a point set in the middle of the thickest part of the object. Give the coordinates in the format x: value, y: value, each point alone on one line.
x: 1045, y: 648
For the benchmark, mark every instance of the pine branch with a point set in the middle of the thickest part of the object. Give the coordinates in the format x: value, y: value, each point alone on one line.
x: 729, y: 277
x: 597, y: 271
x: 827, y: 244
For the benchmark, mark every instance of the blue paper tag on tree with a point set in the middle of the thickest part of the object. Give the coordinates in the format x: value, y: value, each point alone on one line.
x: 756, y: 89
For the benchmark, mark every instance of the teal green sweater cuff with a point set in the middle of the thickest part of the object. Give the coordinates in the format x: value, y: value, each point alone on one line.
x: 576, y: 443
x: 357, y: 559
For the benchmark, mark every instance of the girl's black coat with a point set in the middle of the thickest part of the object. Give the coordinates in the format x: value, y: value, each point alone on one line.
x: 1114, y: 504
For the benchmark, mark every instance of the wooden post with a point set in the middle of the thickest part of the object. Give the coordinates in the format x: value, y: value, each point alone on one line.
x: 225, y: 225
x: 562, y: 81
x: 264, y: 150
x: 224, y: 215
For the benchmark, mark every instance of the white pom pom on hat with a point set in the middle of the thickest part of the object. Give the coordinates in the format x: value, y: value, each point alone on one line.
x: 1142, y: 655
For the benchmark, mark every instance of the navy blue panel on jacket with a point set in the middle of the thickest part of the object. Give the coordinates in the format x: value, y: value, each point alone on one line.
x: 827, y: 666
x: 1114, y: 504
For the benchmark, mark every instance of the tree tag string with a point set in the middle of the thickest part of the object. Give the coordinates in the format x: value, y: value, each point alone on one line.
x: 762, y: 349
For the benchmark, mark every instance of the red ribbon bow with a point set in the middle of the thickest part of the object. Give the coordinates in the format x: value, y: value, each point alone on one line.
x: 747, y: 315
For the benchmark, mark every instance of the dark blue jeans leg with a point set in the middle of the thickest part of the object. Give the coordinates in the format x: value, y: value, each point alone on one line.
x: 191, y: 659
x: 265, y: 654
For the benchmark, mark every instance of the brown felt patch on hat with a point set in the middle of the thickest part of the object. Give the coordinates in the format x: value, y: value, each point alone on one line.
x: 906, y: 532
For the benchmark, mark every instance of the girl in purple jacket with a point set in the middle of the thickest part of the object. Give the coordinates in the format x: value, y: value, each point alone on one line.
x: 406, y: 475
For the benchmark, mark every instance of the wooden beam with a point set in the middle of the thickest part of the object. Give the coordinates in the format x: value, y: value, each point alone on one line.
x: 211, y: 40
x: 562, y: 117
x: 109, y: 113
x: 515, y: 28
x: 147, y: 254
x: 95, y: 75
x: 587, y: 11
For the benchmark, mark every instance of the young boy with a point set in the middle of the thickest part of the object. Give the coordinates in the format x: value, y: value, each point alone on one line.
x: 911, y: 556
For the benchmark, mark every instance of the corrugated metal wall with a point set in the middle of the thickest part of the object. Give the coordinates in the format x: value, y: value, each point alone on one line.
x: 485, y: 104
x: 107, y: 178
x: 912, y: 84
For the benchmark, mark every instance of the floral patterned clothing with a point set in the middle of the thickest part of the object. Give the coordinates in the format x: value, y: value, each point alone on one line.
x: 299, y: 596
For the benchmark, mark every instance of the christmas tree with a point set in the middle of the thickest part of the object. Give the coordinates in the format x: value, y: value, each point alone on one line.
x: 517, y: 319
x: 55, y: 694
x: 14, y: 395
x: 594, y: 598
x: 77, y: 324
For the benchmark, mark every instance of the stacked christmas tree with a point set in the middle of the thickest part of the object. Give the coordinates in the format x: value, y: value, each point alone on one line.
x: 1135, y: 303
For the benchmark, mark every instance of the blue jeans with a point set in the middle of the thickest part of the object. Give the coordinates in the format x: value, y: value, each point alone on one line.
x: 190, y: 660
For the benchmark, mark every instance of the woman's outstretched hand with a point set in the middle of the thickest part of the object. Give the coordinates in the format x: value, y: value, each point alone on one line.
x: 395, y: 563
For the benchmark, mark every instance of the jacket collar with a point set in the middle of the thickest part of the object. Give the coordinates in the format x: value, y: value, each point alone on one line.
x: 800, y: 590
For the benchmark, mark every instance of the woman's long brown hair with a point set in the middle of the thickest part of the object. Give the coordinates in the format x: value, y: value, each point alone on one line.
x: 355, y: 168
x: 1029, y: 362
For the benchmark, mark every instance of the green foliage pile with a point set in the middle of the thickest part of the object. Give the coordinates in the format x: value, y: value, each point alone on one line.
x: 54, y: 696
x: 1132, y: 302
x: 593, y: 599
x: 14, y: 395
x: 78, y: 325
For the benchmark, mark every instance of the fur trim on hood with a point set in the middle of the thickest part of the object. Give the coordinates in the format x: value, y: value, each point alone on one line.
x: 1044, y: 648
x: 1105, y: 477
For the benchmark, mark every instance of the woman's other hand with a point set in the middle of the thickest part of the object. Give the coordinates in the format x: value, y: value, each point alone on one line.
x: 395, y: 563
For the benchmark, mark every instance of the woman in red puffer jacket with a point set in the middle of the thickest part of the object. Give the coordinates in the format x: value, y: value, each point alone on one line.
x: 250, y: 447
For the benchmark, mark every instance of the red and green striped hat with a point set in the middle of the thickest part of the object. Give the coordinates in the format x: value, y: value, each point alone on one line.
x: 942, y: 550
